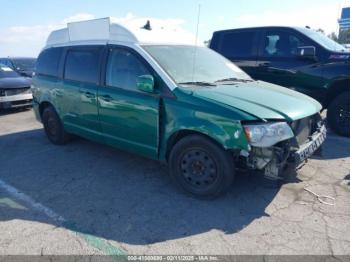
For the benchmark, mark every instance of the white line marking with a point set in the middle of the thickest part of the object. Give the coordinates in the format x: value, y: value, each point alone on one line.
x: 29, y: 201
x: 93, y: 241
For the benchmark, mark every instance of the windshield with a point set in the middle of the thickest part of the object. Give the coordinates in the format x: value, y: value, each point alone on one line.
x: 7, y: 72
x: 323, y: 40
x: 195, y: 65
x: 24, y: 64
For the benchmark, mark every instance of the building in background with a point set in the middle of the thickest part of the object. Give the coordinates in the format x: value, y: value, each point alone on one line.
x: 344, y: 25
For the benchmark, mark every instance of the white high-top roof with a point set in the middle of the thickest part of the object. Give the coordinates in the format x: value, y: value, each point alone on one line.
x: 102, y: 31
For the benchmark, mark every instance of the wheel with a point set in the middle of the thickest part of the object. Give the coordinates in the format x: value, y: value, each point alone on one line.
x: 338, y: 114
x: 200, y: 167
x: 54, y: 127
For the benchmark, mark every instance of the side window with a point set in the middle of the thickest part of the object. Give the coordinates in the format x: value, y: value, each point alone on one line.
x: 82, y: 65
x: 6, y: 62
x: 123, y: 68
x: 48, y: 62
x: 281, y: 44
x: 10, y: 64
x: 238, y: 44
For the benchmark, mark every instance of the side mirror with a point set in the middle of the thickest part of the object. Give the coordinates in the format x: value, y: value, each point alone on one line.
x: 307, y: 52
x: 145, y: 83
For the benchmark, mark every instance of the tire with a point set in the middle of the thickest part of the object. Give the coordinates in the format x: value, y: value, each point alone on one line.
x: 53, y: 127
x: 200, y: 167
x: 338, y: 114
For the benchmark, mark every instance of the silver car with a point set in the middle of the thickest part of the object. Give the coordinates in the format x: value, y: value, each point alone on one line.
x: 14, y: 89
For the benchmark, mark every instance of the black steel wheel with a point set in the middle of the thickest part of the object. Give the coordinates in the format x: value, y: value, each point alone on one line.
x: 53, y: 127
x: 201, y: 167
x: 198, y: 168
x: 338, y: 114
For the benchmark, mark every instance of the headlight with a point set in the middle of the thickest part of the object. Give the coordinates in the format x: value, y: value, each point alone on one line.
x: 266, y: 135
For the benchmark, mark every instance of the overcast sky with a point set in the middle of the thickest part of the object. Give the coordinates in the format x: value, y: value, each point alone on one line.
x: 25, y: 24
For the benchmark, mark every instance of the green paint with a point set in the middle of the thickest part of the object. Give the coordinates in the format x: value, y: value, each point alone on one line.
x: 10, y: 203
x: 145, y: 122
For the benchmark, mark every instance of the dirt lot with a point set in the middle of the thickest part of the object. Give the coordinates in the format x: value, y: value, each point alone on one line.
x: 87, y: 198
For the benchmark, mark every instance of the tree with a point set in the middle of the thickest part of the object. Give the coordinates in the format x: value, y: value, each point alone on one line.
x: 320, y: 30
x: 344, y: 36
x: 207, y: 42
x: 333, y: 36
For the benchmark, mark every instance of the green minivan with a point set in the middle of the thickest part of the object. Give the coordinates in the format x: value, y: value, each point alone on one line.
x: 182, y: 104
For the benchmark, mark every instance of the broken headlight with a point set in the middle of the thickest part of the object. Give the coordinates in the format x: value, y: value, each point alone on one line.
x: 269, y: 134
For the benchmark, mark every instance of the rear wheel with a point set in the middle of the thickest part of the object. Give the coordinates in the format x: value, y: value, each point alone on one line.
x: 338, y: 114
x: 200, y: 167
x: 54, y: 127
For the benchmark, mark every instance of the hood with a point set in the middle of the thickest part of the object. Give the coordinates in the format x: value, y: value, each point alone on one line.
x: 14, y: 82
x: 262, y: 100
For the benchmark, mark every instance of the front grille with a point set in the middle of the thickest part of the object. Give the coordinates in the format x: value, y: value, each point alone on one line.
x: 304, y: 128
x: 17, y: 91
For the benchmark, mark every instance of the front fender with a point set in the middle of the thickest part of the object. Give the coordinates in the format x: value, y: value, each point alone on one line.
x: 226, y: 132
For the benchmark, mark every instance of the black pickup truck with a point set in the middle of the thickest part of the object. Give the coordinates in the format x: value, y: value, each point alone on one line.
x: 298, y: 58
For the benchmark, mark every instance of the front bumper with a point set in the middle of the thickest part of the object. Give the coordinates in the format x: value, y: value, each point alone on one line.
x: 274, y: 160
x: 14, y: 101
x: 308, y: 149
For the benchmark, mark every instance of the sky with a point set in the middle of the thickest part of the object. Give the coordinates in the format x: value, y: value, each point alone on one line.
x: 25, y: 24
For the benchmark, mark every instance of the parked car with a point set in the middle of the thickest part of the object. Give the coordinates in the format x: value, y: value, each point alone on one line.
x: 298, y: 58
x: 14, y: 89
x: 181, y: 104
x: 23, y: 65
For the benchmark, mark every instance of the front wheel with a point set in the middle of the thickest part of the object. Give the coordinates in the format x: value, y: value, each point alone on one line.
x: 338, y: 114
x: 200, y: 167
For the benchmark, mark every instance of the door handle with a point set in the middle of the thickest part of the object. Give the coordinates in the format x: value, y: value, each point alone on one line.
x: 87, y: 94
x: 265, y: 64
x: 106, y: 98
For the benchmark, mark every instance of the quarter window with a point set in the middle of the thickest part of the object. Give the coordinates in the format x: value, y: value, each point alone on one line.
x: 48, y: 61
x: 123, y: 69
x: 281, y: 44
x: 82, y: 66
x: 238, y: 44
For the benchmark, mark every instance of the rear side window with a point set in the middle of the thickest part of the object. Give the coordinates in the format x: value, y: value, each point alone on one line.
x: 82, y: 65
x: 48, y: 62
x: 237, y: 44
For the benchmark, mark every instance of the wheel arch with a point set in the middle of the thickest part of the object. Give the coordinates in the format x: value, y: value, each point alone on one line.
x: 42, y: 106
x: 180, y: 134
x: 336, y: 88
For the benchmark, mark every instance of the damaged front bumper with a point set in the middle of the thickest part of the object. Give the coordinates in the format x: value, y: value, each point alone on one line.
x: 274, y: 160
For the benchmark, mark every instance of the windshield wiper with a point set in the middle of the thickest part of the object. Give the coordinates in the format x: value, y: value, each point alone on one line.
x: 198, y: 83
x: 233, y: 79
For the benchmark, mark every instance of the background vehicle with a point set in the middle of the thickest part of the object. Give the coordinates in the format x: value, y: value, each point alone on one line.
x: 14, y: 89
x: 22, y: 65
x: 298, y: 58
x: 201, y: 117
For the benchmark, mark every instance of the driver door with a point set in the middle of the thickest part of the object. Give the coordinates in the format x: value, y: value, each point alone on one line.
x: 279, y: 63
x: 129, y: 117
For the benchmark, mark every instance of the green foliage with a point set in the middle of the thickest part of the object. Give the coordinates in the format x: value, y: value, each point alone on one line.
x: 344, y: 36
x: 333, y: 36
